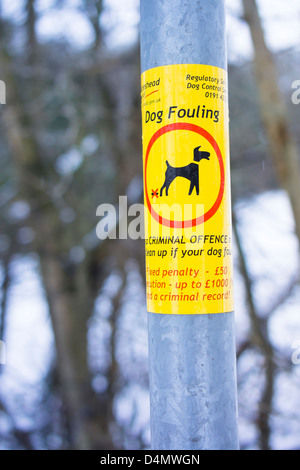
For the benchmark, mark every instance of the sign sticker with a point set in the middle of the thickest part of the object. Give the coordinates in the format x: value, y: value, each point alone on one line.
x: 187, y: 190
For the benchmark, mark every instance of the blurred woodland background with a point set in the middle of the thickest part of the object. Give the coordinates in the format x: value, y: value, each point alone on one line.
x: 72, y: 307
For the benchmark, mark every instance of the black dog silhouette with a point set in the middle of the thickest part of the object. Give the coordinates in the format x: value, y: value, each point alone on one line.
x: 190, y: 172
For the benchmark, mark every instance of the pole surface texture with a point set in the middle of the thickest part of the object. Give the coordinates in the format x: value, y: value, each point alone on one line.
x: 192, y: 361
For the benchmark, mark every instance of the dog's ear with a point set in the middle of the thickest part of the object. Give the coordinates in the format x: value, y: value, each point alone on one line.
x: 196, y: 152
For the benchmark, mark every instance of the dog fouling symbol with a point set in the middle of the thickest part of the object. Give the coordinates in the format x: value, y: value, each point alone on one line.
x: 190, y: 172
x: 154, y: 193
x: 212, y: 198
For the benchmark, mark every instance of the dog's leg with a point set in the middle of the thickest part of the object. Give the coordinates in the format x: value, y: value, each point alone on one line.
x: 169, y: 178
x: 192, y: 185
x: 166, y: 184
x: 162, y: 188
x: 196, y: 181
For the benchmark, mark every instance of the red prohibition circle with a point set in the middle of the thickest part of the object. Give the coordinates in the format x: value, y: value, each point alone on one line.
x: 207, y: 215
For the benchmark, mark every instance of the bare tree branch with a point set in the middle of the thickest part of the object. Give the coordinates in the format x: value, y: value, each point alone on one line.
x: 260, y: 338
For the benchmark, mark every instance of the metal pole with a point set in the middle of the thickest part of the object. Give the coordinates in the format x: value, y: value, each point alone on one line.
x: 191, y: 356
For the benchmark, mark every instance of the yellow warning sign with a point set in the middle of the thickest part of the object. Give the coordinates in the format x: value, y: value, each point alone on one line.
x: 187, y: 190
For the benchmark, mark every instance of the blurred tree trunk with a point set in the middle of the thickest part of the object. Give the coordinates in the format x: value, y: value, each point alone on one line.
x: 69, y: 296
x: 40, y: 126
x: 30, y: 26
x: 93, y: 10
x: 274, y: 115
x: 69, y: 327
